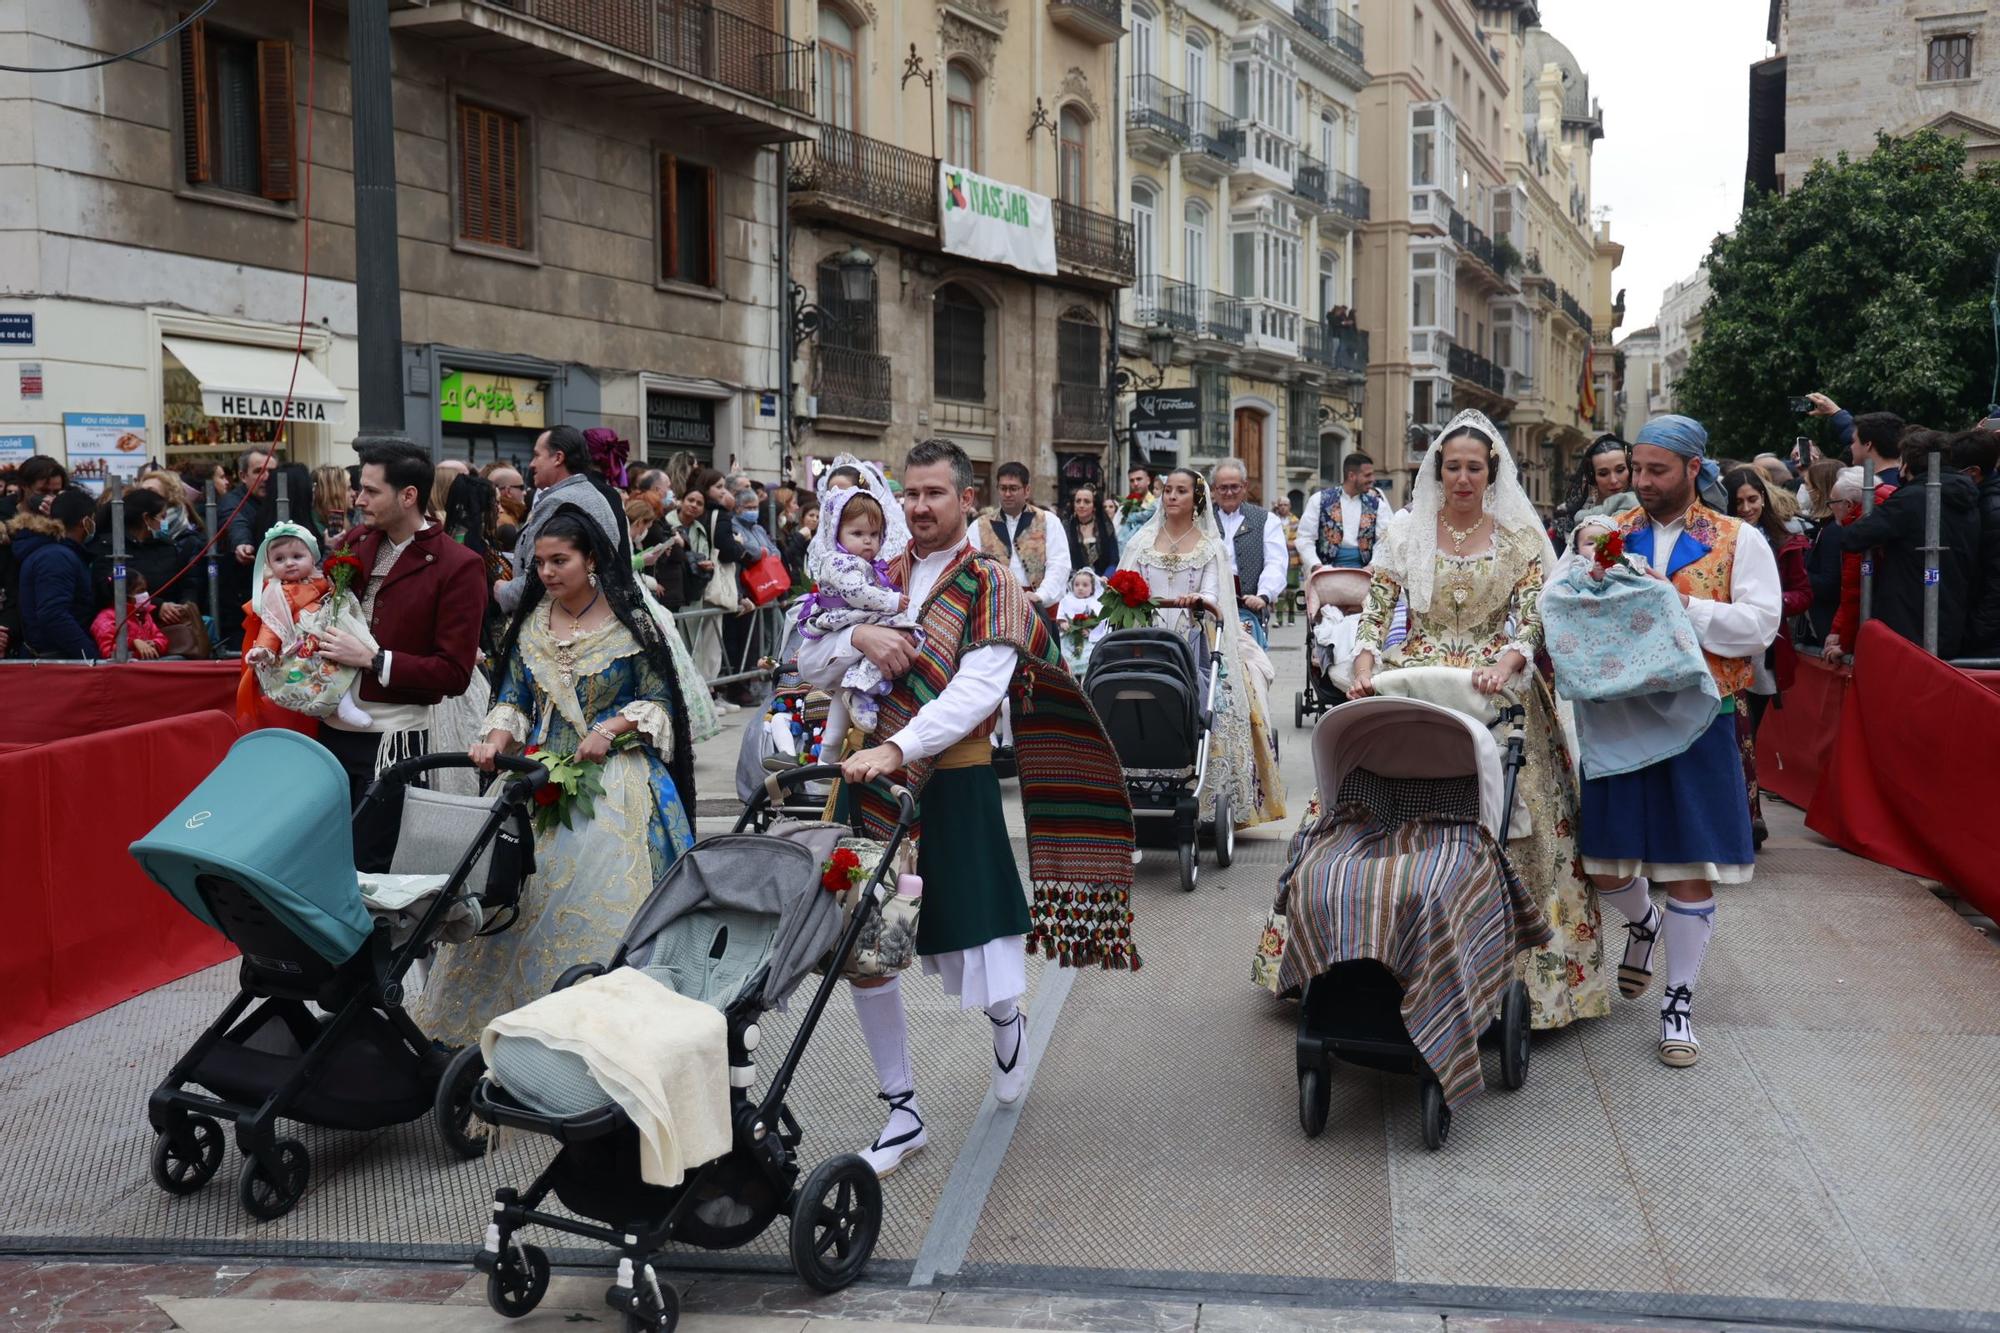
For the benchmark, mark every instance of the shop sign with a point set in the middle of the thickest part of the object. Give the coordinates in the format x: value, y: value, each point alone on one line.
x: 478, y: 399
x: 31, y: 379
x: 17, y: 328
x: 992, y: 221
x: 267, y: 407
x: 1166, y: 410
x: 16, y: 449
x: 103, y: 445
x: 677, y: 422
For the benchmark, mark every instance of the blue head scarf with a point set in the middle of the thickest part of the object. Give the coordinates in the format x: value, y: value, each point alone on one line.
x: 1688, y: 438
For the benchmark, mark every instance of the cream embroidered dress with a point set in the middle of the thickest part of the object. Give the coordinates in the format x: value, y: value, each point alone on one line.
x: 1481, y: 605
x: 589, y: 879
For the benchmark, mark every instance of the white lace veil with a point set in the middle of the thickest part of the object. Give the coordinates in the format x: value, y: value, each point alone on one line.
x: 895, y: 528
x: 1408, y: 553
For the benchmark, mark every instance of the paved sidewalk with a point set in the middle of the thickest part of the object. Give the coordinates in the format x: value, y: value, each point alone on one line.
x: 1830, y: 1163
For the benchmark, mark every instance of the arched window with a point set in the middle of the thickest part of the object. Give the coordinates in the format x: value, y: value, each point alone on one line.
x: 1194, y: 243
x: 1195, y: 67
x: 839, y: 65
x: 1330, y: 295
x: 1073, y: 156
x: 958, y: 345
x: 1145, y: 40
x: 1145, y: 229
x: 961, y: 116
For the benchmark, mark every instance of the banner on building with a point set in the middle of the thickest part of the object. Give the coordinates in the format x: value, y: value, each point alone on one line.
x: 102, y: 445
x: 995, y: 222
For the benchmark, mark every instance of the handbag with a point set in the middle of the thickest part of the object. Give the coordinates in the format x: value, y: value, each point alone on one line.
x: 766, y: 579
x: 189, y: 638
x: 888, y: 941
x: 721, y: 591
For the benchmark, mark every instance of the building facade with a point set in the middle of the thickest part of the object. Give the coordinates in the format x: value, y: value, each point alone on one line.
x: 1240, y: 136
x: 1642, y: 388
x: 1846, y: 70
x: 587, y: 209
x: 918, y: 319
x: 1681, y: 309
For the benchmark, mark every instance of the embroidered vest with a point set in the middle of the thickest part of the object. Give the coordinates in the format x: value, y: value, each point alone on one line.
x: 1031, y: 545
x: 1702, y: 565
x: 1250, y: 549
x: 1331, y: 536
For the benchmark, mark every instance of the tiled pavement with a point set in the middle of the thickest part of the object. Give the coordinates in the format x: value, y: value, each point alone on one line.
x: 1830, y: 1164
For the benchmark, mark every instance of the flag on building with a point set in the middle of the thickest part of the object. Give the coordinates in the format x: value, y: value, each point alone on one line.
x: 1586, y: 388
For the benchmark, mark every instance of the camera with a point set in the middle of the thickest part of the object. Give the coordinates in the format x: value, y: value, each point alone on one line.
x: 1801, y: 407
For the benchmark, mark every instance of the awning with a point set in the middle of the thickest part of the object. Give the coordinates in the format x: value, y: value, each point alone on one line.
x: 239, y: 380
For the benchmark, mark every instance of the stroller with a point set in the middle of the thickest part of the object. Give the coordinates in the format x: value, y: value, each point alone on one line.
x: 1155, y: 692
x: 785, y: 733
x: 1384, y: 983
x: 1343, y: 592
x: 262, y: 850
x: 737, y: 922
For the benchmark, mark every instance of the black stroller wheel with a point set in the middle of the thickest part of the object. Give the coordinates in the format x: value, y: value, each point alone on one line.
x: 1514, y: 1035
x: 266, y: 1199
x: 1436, y: 1115
x: 186, y: 1156
x: 641, y: 1317
x: 1190, y: 868
x: 1299, y: 710
x: 519, y: 1280
x: 463, y: 1132
x: 1225, y: 832
x: 1315, y: 1097
x: 835, y: 1222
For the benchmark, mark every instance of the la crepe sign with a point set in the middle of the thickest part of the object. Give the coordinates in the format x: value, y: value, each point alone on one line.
x: 995, y: 222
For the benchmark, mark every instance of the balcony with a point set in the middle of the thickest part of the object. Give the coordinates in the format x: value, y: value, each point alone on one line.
x: 874, y: 186
x: 955, y: 414
x: 1344, y: 350
x: 1155, y: 128
x: 1100, y: 22
x: 1156, y: 302
x: 1577, y: 314
x: 1309, y: 184
x: 1347, y: 37
x: 1223, y: 318
x: 852, y: 384
x: 1336, y: 30
x: 1346, y: 197
x: 1274, y: 330
x: 1470, y: 368
x: 1214, y: 142
x: 1093, y: 246
x: 1082, y: 414
x: 1265, y: 158
x: 691, y: 65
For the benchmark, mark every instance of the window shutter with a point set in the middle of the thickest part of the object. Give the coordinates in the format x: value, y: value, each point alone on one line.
x: 471, y: 176
x: 277, y: 143
x: 508, y: 137
x: 670, y: 219
x: 710, y: 271
x: 194, y: 101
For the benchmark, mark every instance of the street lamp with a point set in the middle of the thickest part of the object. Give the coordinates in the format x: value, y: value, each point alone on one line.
x: 1159, y: 351
x: 856, y: 270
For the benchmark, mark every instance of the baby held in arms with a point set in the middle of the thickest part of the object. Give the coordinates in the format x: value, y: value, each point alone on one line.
x: 854, y: 588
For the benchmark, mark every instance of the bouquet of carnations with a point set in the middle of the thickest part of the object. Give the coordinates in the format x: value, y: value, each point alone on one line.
x: 573, y: 787
x: 1128, y: 600
x: 1133, y: 503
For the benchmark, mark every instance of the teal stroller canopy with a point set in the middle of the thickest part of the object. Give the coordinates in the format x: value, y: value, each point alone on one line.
x: 273, y: 817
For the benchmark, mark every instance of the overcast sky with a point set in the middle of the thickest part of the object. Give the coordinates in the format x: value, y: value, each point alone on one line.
x: 1674, y: 78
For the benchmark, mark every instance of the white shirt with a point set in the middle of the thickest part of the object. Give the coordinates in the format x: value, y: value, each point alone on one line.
x: 1276, y: 564
x: 1745, y: 625
x: 1055, y: 541
x: 1307, y: 542
x: 973, y: 694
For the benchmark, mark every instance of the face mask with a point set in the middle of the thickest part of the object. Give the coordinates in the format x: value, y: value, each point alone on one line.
x: 140, y: 599
x: 172, y: 523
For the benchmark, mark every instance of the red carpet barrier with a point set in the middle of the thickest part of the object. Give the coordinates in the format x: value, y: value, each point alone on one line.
x: 1910, y: 782
x: 1797, y: 738
x: 49, y: 701
x: 85, y: 929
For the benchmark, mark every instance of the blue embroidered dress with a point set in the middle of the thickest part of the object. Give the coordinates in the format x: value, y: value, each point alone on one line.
x: 591, y: 878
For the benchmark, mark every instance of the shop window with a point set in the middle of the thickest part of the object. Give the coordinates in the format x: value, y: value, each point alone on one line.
x: 492, y: 178
x: 1950, y: 58
x: 237, y: 113
x: 687, y: 221
x: 958, y: 346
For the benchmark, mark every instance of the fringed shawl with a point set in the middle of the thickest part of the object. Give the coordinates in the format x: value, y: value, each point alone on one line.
x: 1072, y: 789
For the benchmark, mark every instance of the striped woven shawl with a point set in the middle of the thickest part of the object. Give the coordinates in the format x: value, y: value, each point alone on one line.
x: 1072, y: 790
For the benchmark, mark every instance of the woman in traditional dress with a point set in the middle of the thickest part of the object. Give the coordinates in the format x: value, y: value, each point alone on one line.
x: 1469, y: 559
x: 1180, y: 554
x: 1602, y: 484
x: 582, y: 668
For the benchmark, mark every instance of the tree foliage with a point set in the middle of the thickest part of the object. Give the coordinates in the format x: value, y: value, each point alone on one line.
x: 1871, y: 282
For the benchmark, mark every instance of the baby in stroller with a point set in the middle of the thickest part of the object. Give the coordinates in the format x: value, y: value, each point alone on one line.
x: 1398, y: 913
x: 641, y: 1071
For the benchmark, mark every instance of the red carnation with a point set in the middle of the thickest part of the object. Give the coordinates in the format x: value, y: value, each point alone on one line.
x: 547, y: 794
x: 1130, y: 585
x: 1610, y: 550
x: 838, y: 872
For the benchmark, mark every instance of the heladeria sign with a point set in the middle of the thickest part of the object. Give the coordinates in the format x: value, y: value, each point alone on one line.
x: 268, y: 407
x: 996, y: 222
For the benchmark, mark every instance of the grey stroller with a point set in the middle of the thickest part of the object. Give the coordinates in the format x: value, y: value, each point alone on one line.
x: 737, y: 922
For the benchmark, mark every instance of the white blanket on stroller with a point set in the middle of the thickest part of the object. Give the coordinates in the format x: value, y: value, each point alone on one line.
x: 663, y: 1057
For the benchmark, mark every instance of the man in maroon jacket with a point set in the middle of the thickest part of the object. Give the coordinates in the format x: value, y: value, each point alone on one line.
x: 423, y: 595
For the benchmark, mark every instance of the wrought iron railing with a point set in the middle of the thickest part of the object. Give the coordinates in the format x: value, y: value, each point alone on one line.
x: 1309, y: 178
x: 859, y: 170
x: 1082, y: 413
x: 1223, y: 317
x: 1466, y: 364
x: 1341, y: 349
x: 1347, y: 37
x: 694, y: 38
x: 1575, y: 311
x: 1347, y: 195
x: 850, y: 383
x: 1085, y: 239
x: 1313, y: 16
x: 1210, y: 132
x: 1154, y: 104
x: 1156, y: 302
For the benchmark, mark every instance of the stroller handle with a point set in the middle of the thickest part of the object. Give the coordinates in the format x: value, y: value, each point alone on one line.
x: 777, y: 785
x: 405, y: 771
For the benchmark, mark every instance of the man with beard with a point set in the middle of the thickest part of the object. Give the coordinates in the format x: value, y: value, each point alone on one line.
x: 1682, y: 823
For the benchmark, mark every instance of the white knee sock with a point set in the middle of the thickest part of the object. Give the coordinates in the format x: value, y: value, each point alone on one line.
x: 1007, y: 1034
x: 1686, y: 935
x: 887, y: 1032
x: 1632, y: 901
x: 351, y: 712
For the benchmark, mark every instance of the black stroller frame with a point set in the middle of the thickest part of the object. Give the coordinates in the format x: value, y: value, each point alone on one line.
x: 836, y: 1214
x: 1163, y: 795
x: 280, y: 975
x: 1353, y: 1011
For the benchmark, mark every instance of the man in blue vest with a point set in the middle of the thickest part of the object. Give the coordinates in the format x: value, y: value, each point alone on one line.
x: 1340, y: 524
x: 1255, y: 540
